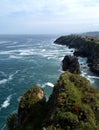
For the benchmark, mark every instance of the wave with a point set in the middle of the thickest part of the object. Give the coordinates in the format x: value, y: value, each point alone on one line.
x: 93, y: 77
x: 83, y: 74
x: 14, y: 46
x: 46, y: 53
x: 15, y: 57
x: 3, y: 73
x: 91, y: 80
x: 3, y: 81
x: 49, y: 84
x: 2, y: 42
x: 9, y: 52
x: 6, y: 103
x: 19, y: 98
x: 10, y: 77
x: 27, y: 52
x: 43, y: 50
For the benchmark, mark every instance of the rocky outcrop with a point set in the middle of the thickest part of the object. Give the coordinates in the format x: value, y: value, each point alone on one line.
x: 31, y: 111
x: 71, y: 64
x: 73, y: 105
x: 85, y: 47
x: 31, y: 106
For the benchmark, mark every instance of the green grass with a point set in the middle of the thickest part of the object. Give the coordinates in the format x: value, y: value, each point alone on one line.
x: 73, y: 105
x: 97, y: 42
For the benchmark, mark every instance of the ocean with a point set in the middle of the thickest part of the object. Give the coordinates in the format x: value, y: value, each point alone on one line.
x: 29, y: 60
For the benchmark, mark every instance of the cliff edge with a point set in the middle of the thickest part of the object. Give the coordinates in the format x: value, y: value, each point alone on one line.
x: 73, y: 105
x: 85, y: 46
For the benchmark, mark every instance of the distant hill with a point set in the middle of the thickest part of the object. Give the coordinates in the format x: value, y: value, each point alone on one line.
x: 96, y: 33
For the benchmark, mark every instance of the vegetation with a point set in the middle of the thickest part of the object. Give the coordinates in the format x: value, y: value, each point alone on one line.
x: 31, y: 111
x: 97, y: 42
x: 77, y: 104
x: 73, y: 105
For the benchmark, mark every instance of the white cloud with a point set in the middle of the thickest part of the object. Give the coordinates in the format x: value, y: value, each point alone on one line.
x: 36, y: 14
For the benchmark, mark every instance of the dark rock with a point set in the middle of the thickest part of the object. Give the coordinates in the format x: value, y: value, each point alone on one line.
x: 85, y: 47
x: 95, y: 69
x: 71, y: 64
x: 73, y: 41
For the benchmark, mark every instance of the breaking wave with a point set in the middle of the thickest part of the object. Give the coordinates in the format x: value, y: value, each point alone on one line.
x: 10, y: 77
x: 6, y: 103
x: 49, y: 84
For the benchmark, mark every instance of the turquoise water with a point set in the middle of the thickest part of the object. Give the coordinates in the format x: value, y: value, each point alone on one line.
x: 28, y: 60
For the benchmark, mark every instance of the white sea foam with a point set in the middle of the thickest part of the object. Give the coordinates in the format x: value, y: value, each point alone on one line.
x: 91, y: 80
x: 2, y: 42
x: 15, y: 57
x: 19, y: 98
x: 93, y: 77
x: 83, y: 74
x: 17, y: 46
x: 48, y: 84
x: 6, y: 103
x: 36, y: 51
x: 27, y: 52
x: 5, y: 52
x: 89, y: 77
x: 10, y: 77
x: 3, y: 73
x: 15, y: 42
x: 11, y: 46
x: 3, y: 81
x: 43, y: 50
x: 9, y: 52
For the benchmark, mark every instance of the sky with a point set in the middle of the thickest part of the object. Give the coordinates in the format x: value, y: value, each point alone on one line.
x: 48, y: 16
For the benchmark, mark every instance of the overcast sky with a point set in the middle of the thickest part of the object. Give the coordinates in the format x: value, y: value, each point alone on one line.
x: 48, y: 16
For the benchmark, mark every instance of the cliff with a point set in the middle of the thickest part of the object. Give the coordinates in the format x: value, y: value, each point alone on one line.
x: 85, y: 46
x: 73, y: 105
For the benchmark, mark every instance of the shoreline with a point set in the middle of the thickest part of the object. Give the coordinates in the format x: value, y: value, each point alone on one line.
x: 84, y: 46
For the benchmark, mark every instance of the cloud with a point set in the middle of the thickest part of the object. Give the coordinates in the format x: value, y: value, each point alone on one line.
x: 38, y: 14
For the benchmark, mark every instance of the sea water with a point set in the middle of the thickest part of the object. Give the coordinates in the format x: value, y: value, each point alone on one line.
x: 29, y: 60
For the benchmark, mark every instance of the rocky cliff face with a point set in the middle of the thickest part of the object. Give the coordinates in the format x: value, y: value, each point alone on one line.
x: 85, y: 47
x: 31, y: 111
x: 73, y: 105
x: 71, y: 64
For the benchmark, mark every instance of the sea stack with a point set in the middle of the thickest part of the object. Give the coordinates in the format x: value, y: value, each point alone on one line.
x: 71, y: 64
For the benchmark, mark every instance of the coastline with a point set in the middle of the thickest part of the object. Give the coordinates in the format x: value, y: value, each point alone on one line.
x: 85, y: 67
x: 85, y: 46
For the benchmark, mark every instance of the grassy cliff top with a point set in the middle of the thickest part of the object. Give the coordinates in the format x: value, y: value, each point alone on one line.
x: 73, y: 105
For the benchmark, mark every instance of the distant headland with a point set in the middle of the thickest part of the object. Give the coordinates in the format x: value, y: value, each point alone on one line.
x: 85, y: 46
